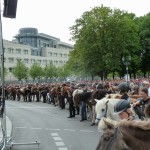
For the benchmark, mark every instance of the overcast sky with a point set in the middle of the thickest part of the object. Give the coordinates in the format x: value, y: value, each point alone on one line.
x: 54, y: 17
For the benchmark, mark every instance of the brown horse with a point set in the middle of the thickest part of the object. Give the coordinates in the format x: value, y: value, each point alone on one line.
x: 84, y: 96
x: 125, y: 135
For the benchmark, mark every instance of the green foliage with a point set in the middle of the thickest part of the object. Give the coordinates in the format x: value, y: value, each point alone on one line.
x: 63, y: 72
x: 50, y: 71
x: 35, y: 71
x: 20, y: 71
x: 144, y: 24
x: 103, y: 36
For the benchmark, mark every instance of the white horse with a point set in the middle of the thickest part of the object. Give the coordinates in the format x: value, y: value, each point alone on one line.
x: 105, y: 108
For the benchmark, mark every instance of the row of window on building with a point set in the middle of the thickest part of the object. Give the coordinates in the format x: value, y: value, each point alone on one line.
x: 26, y: 52
x: 57, y: 54
x: 31, y: 61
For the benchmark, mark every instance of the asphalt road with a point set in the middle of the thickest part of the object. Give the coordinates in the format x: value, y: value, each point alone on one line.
x: 37, y: 121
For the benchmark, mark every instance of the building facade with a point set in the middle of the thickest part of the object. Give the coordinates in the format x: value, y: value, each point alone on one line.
x: 31, y: 46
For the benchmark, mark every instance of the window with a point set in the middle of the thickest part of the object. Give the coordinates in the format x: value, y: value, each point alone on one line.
x: 39, y: 61
x: 10, y: 60
x: 55, y: 54
x: 18, y: 59
x: 60, y: 62
x: 50, y: 54
x: 60, y: 55
x: 65, y: 55
x: 18, y: 51
x: 32, y: 61
x: 44, y: 62
x: 25, y: 52
x: 10, y: 50
x: 25, y: 60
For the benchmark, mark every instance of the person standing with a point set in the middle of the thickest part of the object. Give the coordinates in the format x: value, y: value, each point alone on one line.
x: 140, y: 104
x: 71, y: 104
x: 64, y: 95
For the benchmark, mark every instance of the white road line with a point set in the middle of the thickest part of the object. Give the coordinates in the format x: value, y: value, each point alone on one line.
x: 69, y: 130
x: 57, y: 138
x: 52, y: 129
x: 59, y: 143
x: 33, y: 105
x: 54, y: 134
x: 63, y: 148
x: 86, y: 131
x: 20, y: 127
x: 35, y: 128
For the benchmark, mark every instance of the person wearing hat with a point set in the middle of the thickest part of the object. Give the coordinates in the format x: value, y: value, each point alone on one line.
x: 123, y: 109
x: 124, y: 88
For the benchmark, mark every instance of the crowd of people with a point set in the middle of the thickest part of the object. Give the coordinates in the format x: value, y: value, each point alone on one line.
x: 135, y: 93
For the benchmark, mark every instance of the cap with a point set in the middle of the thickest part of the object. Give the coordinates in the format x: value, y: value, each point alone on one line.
x: 121, y: 106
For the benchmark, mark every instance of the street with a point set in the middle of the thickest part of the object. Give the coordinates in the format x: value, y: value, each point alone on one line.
x: 44, y: 123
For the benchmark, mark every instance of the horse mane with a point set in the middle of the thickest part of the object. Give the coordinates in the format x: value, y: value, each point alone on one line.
x: 113, y: 96
x: 144, y: 125
x: 102, y: 124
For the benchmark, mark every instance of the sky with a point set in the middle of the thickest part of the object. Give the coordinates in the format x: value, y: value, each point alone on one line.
x: 54, y: 17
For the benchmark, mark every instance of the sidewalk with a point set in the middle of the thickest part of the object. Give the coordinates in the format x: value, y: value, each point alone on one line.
x: 9, y: 130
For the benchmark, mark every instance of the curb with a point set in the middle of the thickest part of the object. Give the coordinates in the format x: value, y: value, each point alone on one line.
x: 9, y: 131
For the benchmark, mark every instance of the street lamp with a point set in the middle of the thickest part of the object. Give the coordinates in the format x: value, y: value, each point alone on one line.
x: 126, y: 62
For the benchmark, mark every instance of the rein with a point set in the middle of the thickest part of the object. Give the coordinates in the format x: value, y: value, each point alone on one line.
x: 106, y: 109
x: 113, y: 139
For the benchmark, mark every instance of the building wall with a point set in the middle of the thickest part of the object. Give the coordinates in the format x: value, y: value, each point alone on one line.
x: 14, y: 51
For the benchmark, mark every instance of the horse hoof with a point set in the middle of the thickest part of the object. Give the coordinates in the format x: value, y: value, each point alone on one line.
x: 92, y: 124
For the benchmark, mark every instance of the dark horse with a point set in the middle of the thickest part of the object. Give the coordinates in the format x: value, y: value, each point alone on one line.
x: 85, y: 96
x: 125, y: 135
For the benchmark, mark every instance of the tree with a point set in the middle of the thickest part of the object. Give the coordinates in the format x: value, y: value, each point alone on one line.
x: 35, y: 71
x: 50, y: 71
x: 103, y: 36
x: 20, y: 71
x: 144, y: 24
x: 63, y: 72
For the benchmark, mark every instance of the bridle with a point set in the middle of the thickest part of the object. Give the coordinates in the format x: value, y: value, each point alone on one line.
x: 112, y: 139
x: 105, y: 115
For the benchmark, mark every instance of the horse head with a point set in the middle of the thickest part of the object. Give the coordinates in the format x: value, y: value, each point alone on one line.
x: 101, y: 109
x: 105, y: 108
x: 111, y: 137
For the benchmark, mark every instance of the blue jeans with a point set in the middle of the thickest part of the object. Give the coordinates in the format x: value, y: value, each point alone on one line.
x: 83, y: 111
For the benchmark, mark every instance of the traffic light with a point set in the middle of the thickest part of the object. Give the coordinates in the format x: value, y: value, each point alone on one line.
x: 10, y: 7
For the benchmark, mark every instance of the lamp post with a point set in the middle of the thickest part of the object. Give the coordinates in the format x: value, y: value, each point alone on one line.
x: 126, y: 62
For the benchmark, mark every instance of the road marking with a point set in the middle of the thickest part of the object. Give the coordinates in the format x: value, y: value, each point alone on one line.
x: 63, y: 148
x: 86, y: 131
x: 57, y: 138
x: 54, y: 134
x: 35, y: 128
x: 52, y: 129
x: 69, y: 130
x: 20, y: 127
x: 59, y: 143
